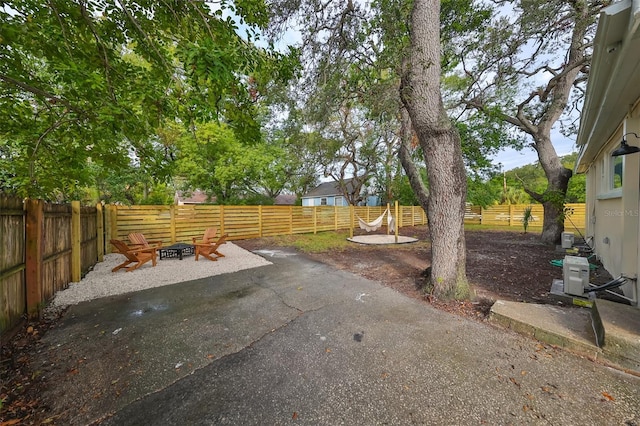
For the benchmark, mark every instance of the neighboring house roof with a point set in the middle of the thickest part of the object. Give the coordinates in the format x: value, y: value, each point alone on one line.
x: 328, y: 189
x: 285, y: 200
x: 614, y: 78
x: 194, y: 197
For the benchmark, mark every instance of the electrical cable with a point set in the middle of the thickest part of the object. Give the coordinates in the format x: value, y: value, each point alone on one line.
x: 607, y: 286
x: 580, y: 233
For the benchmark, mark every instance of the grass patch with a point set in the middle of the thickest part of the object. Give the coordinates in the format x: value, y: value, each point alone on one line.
x: 315, y: 243
x: 334, y: 241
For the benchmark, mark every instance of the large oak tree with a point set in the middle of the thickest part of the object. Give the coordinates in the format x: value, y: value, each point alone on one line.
x: 440, y: 142
x: 528, y: 69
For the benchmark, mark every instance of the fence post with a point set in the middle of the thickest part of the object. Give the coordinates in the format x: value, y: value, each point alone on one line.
x: 107, y: 228
x: 389, y: 213
x: 33, y: 255
x: 398, y: 217
x: 291, y: 220
x: 75, y: 242
x: 172, y: 215
x: 351, y: 213
x: 315, y: 219
x: 260, y: 221
x: 113, y: 219
x: 221, y: 219
x: 511, y: 215
x: 100, y: 232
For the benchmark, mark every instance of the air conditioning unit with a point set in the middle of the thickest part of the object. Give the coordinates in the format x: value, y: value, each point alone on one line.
x: 567, y: 240
x: 575, y: 274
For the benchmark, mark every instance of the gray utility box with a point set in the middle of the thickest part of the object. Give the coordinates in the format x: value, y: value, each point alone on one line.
x: 567, y: 240
x: 575, y: 274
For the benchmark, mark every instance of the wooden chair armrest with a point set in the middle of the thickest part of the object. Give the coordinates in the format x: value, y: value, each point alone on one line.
x: 202, y: 244
x: 144, y: 250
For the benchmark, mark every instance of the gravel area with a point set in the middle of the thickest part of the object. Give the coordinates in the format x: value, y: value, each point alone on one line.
x: 101, y: 282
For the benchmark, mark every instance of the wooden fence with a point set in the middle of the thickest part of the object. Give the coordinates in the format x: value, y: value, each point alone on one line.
x: 172, y: 224
x: 511, y: 215
x: 47, y: 246
x: 44, y: 247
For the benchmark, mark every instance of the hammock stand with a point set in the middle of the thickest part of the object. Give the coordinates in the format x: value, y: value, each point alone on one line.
x: 377, y: 224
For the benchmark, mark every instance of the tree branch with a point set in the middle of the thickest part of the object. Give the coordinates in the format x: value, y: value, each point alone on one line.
x: 538, y: 197
x: 102, y: 48
x: 40, y: 92
x: 144, y: 34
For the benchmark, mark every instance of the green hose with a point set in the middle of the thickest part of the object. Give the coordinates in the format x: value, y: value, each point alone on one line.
x: 558, y: 262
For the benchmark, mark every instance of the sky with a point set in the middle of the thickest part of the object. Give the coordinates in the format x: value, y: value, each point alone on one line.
x: 511, y: 159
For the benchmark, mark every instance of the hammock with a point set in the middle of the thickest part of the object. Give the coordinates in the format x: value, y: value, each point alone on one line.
x: 376, y: 224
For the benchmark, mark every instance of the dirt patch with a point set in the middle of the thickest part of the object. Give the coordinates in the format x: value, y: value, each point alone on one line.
x: 503, y: 265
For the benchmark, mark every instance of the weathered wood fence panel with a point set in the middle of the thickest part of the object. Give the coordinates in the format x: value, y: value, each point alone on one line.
x: 13, y: 299
x: 38, y: 256
x: 88, y: 238
x: 56, y: 249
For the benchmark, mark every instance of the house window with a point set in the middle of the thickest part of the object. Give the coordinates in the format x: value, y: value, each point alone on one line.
x: 617, y: 168
x: 323, y: 201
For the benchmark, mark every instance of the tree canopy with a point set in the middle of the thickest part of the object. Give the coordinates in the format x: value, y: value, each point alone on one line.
x: 127, y: 100
x: 94, y: 81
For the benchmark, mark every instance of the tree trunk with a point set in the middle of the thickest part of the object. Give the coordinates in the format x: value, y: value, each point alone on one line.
x: 440, y: 141
x: 409, y: 166
x: 553, y: 197
x: 553, y: 203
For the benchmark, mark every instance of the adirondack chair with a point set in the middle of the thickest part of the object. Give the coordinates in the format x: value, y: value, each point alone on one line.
x: 138, y: 240
x: 136, y: 256
x: 209, y: 245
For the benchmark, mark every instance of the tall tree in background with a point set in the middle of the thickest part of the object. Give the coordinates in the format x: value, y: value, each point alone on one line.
x: 440, y: 142
x: 524, y: 70
x: 344, y: 97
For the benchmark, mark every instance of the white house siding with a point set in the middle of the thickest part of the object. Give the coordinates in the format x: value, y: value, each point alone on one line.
x: 613, y: 215
x: 612, y: 109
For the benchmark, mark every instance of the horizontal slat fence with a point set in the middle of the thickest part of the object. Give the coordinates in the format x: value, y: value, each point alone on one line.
x: 62, y: 242
x: 512, y: 215
x: 173, y: 224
